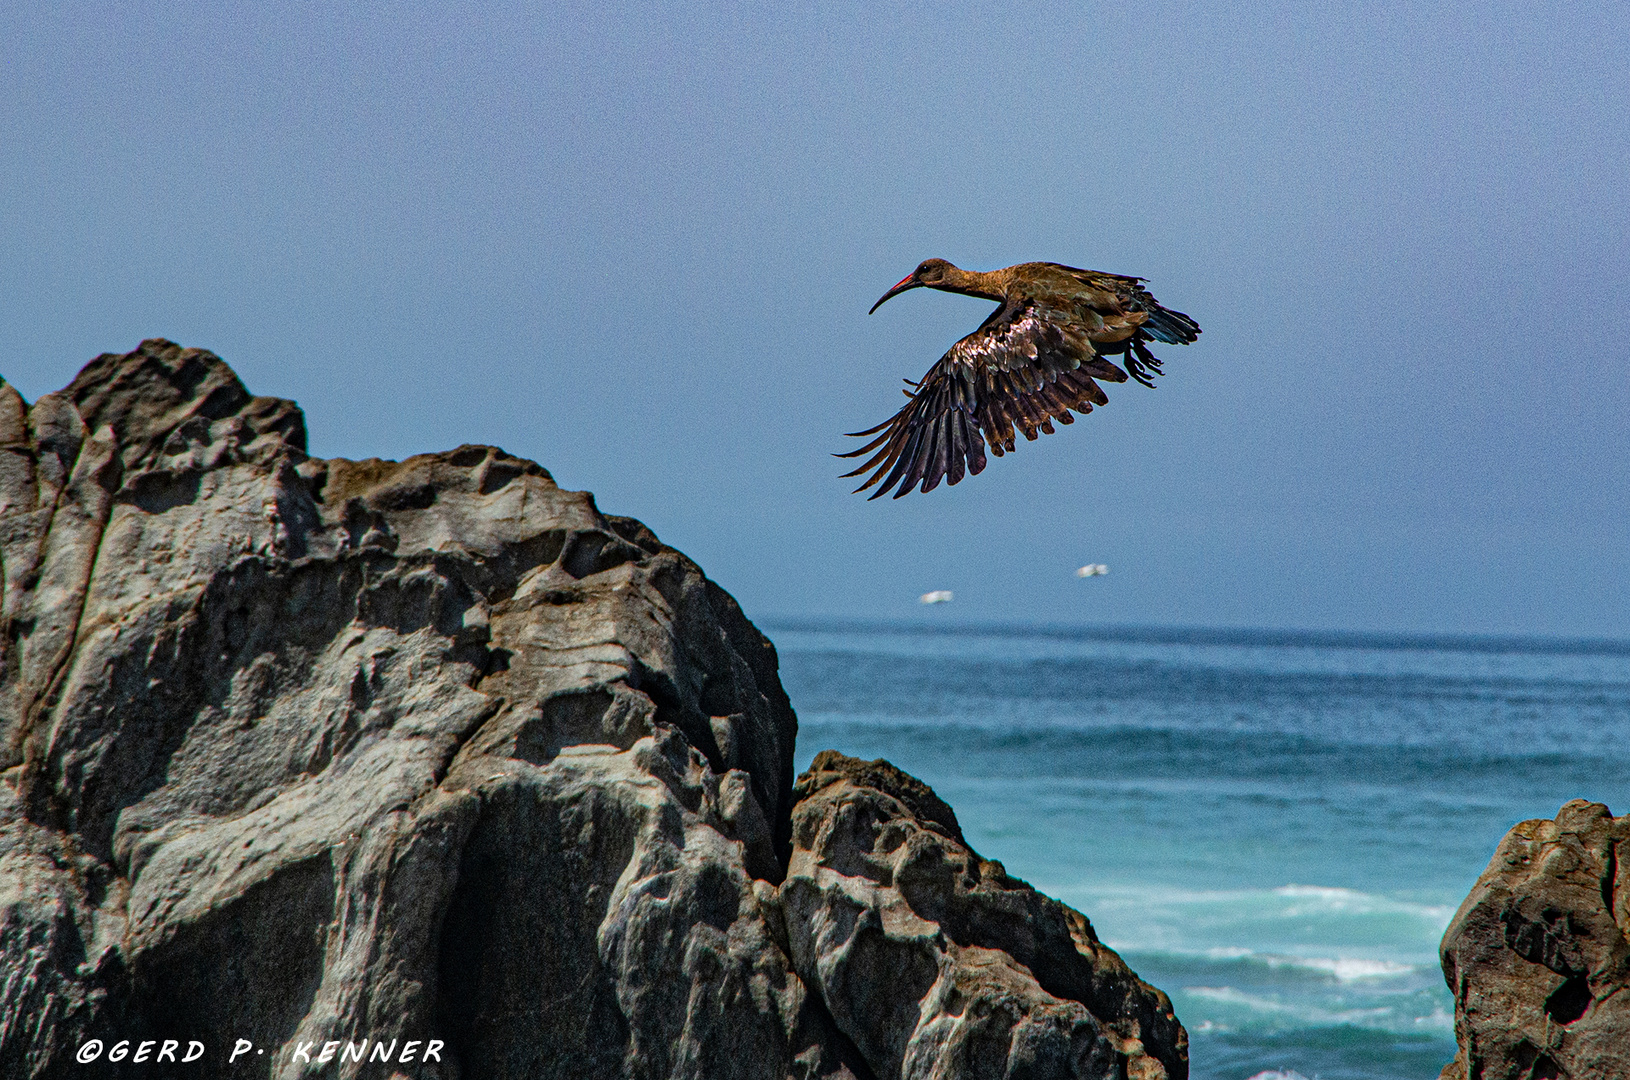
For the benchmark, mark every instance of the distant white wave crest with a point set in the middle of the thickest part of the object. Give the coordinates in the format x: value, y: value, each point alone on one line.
x: 1146, y: 917
x: 1380, y: 1016
x: 1333, y: 899
x: 1342, y: 968
x: 1308, y: 898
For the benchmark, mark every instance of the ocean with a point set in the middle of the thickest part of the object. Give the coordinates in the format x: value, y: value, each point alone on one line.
x: 1274, y: 828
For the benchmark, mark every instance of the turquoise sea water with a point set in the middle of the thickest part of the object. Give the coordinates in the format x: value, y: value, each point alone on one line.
x: 1275, y: 829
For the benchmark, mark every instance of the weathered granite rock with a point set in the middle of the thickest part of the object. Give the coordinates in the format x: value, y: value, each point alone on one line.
x: 306, y: 753
x: 1538, y: 957
x: 936, y: 963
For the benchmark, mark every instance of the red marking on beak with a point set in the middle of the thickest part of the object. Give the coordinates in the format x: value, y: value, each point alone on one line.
x: 908, y: 282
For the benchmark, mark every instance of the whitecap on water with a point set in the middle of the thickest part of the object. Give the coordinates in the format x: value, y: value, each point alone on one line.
x: 1345, y: 968
x: 1371, y: 1016
x: 1371, y: 934
x: 1321, y: 899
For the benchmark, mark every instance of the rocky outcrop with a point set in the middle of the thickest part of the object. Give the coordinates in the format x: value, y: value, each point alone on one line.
x: 936, y: 962
x: 303, y: 759
x: 1538, y: 957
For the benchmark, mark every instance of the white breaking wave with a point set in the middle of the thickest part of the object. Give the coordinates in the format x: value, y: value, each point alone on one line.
x: 1320, y: 899
x: 1344, y: 968
x: 1304, y: 1013
x: 1291, y: 920
x: 1329, y: 897
x: 1286, y: 901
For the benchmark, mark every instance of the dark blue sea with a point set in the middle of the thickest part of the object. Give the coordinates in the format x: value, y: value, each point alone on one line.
x: 1273, y: 828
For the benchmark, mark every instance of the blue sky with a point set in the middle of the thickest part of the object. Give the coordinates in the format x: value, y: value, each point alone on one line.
x: 639, y: 247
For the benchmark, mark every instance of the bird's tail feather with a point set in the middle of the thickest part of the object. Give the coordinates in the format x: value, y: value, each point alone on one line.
x: 1171, y: 327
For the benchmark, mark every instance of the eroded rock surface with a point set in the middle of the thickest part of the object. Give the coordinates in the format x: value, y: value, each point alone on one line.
x: 310, y: 752
x: 936, y: 963
x: 1538, y: 957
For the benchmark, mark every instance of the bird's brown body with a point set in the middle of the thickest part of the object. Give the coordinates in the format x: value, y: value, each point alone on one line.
x: 1031, y: 363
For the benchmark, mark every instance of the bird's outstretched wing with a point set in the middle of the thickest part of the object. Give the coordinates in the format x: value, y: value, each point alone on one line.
x: 1025, y: 367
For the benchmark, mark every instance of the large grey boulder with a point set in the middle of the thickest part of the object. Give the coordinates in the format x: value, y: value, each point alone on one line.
x: 1538, y: 957
x: 300, y: 755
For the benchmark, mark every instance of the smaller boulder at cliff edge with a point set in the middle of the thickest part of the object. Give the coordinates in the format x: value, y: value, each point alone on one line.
x: 1538, y: 956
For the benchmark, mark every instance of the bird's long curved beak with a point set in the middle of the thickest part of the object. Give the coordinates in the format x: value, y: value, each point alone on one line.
x: 908, y: 282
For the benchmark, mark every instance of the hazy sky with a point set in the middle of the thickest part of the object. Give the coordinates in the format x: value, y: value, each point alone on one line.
x: 639, y: 247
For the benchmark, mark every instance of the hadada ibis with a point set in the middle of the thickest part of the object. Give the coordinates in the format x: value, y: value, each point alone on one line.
x: 1032, y: 362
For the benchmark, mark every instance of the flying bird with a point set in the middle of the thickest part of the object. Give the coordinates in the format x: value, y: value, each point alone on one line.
x: 1032, y: 362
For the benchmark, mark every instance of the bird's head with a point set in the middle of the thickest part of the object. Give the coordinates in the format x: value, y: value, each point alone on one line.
x: 929, y: 272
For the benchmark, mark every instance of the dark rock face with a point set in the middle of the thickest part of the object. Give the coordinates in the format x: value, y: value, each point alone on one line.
x: 1538, y: 957
x: 308, y: 752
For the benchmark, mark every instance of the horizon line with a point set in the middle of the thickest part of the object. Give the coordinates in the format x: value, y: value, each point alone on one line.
x: 1443, y: 641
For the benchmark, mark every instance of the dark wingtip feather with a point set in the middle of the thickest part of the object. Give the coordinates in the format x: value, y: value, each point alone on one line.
x: 868, y: 431
x: 879, y: 441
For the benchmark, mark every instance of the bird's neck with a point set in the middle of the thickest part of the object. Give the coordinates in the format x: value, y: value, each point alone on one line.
x: 989, y: 285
